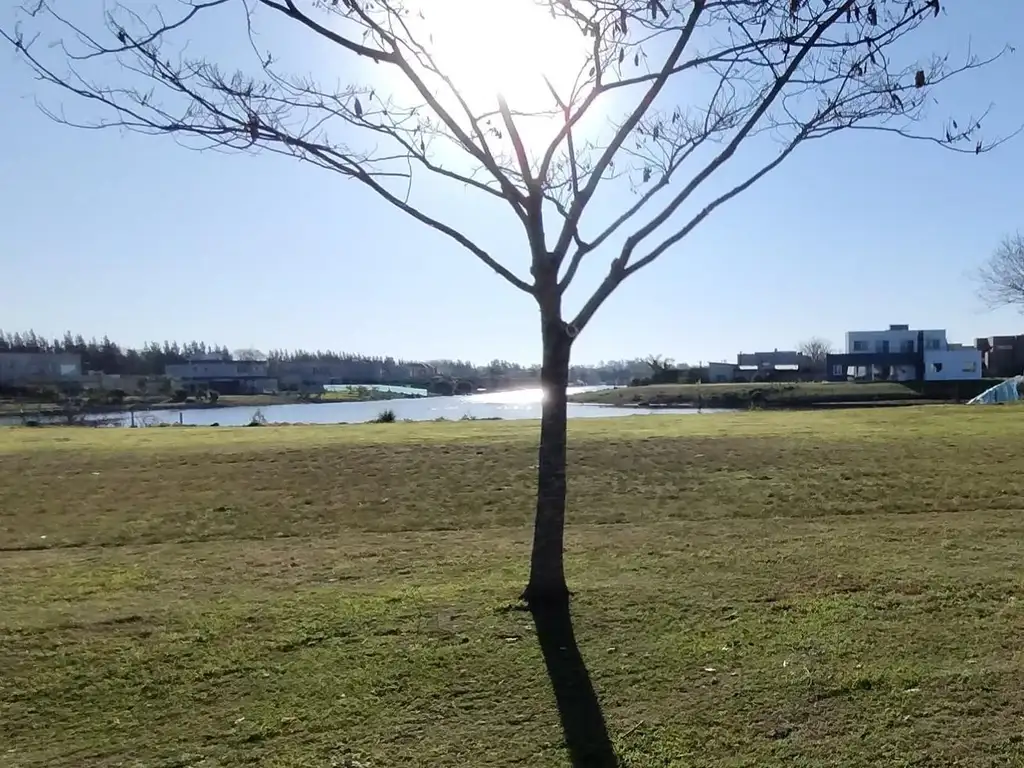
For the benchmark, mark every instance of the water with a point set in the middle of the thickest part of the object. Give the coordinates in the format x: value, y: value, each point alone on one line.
x: 414, y: 391
x: 518, y: 404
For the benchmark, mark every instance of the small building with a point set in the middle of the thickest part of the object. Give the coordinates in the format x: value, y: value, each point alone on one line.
x: 20, y: 369
x: 1001, y: 356
x: 903, y: 354
x: 721, y: 372
x: 779, y: 358
x: 232, y: 377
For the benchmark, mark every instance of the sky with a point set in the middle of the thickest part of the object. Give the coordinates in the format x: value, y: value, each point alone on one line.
x: 135, y: 237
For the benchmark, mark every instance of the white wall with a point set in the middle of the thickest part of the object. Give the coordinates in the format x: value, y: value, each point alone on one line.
x: 718, y: 372
x: 952, y: 364
x: 872, y: 340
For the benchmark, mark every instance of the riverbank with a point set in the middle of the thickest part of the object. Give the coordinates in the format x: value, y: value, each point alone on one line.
x: 758, y: 588
x: 791, y: 395
x: 32, y: 408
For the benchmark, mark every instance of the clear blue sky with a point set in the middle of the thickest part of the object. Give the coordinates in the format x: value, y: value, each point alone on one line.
x: 135, y: 237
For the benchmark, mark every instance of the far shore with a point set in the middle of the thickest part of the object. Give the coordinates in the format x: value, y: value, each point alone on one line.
x: 140, y: 405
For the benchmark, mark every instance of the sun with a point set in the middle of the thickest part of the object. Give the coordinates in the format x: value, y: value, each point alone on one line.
x: 506, y: 47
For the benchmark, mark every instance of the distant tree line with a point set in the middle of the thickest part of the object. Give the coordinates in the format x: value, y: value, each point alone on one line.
x: 108, y: 356
x: 152, y: 358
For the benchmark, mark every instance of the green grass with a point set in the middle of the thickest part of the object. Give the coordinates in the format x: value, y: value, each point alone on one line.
x: 783, y: 394
x: 757, y: 589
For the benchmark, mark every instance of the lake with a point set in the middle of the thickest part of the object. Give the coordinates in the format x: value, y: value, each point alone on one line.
x: 517, y: 404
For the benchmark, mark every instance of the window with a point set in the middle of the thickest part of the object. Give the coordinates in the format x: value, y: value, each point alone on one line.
x: 932, y: 344
x: 837, y: 370
x: 860, y: 346
x: 882, y: 346
x: 907, y: 346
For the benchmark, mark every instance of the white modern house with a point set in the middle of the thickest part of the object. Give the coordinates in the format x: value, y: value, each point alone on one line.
x: 904, y: 354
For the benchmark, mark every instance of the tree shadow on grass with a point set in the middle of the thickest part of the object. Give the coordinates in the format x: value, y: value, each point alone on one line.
x: 586, y: 734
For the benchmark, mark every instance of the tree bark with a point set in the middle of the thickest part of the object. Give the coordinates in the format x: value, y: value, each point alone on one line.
x: 547, y: 573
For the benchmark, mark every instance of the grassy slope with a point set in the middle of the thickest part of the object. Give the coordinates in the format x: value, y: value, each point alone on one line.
x: 740, y: 395
x: 753, y: 589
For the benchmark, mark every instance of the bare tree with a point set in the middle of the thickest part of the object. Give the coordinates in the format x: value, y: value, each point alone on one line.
x: 1001, y: 278
x: 659, y: 363
x: 655, y: 97
x: 816, y: 348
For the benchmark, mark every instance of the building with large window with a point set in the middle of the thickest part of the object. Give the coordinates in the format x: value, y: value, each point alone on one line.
x: 18, y: 369
x: 903, y: 354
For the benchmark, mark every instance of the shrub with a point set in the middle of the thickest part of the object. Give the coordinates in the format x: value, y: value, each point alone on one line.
x: 213, y: 395
x: 385, y: 417
x: 179, y: 396
x: 257, y: 420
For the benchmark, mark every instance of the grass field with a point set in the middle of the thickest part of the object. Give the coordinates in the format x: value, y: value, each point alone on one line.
x: 757, y: 589
x: 784, y: 394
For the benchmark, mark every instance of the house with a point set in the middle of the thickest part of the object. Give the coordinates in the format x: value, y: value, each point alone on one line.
x: 721, y: 372
x: 1002, y: 356
x: 234, y: 377
x: 19, y: 369
x: 783, y: 359
x: 903, y: 354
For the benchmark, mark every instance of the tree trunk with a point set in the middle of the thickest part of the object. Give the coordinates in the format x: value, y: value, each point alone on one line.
x: 547, y: 574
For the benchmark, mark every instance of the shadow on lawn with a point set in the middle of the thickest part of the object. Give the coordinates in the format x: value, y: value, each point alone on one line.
x: 586, y: 734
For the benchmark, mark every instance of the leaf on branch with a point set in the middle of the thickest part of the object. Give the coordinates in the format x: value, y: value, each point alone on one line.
x: 856, y: 12
x: 919, y: 80
x: 897, y: 101
x: 794, y: 7
x: 592, y: 71
x: 357, y: 108
x: 622, y: 20
x: 977, y: 148
x: 872, y: 15
x: 254, y: 126
x: 622, y: 55
x: 122, y: 37
x: 934, y: 5
x: 636, y: 59
x: 647, y: 174
x: 653, y: 8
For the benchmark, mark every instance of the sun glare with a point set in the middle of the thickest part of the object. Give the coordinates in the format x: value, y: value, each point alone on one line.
x: 507, y: 47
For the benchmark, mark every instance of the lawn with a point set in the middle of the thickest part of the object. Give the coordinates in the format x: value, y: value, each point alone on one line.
x: 799, y: 394
x: 754, y: 589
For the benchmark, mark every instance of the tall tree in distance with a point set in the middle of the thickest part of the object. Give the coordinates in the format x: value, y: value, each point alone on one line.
x: 1001, y: 277
x: 539, y: 106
